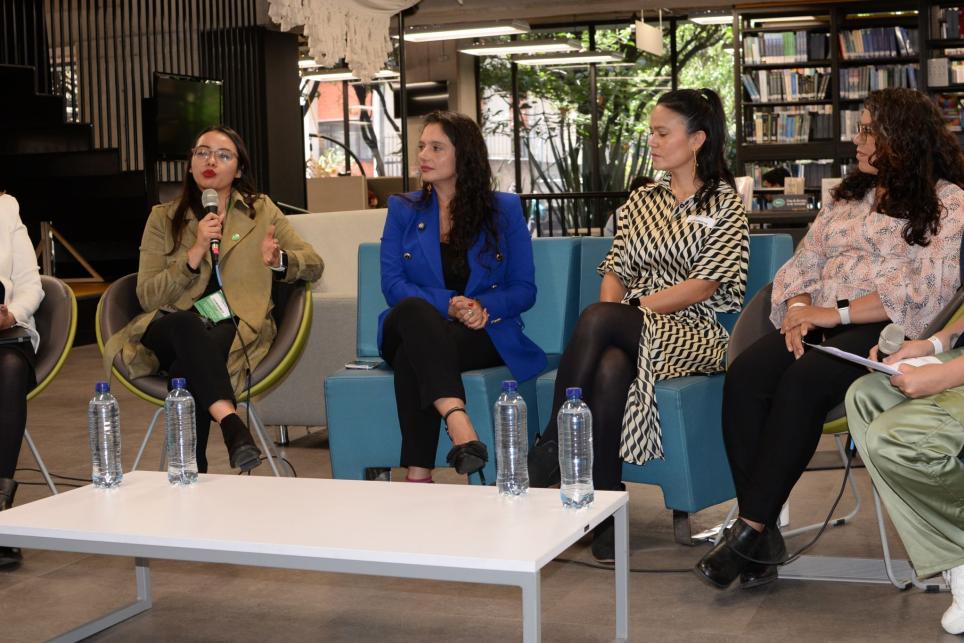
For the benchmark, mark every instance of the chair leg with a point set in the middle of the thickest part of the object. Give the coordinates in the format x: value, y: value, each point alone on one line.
x: 147, y: 436
x: 40, y: 462
x: 283, y: 440
x: 681, y: 528
x: 888, y: 564
x: 259, y: 431
x: 852, y: 483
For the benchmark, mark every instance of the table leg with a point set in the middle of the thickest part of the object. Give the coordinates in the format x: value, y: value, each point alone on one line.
x: 143, y: 603
x: 622, y: 572
x: 531, y: 608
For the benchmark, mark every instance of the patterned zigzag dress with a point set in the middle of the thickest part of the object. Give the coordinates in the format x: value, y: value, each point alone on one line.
x: 658, y: 244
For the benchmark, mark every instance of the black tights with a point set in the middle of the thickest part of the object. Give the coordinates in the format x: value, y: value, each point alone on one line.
x: 601, y: 360
x: 186, y: 347
x: 17, y: 377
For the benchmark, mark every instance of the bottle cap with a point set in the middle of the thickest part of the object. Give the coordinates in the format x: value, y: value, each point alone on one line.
x: 510, y: 385
x: 102, y: 387
x: 178, y: 382
x: 573, y: 391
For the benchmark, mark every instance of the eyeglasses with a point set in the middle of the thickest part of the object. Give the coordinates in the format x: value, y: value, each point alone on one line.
x: 863, y: 131
x: 222, y: 155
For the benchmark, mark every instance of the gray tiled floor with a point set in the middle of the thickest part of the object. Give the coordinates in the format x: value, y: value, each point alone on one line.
x: 53, y: 592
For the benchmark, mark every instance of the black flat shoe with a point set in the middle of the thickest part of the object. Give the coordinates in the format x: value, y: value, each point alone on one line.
x: 10, y: 557
x: 543, y: 464
x: 723, y: 563
x: 773, y: 548
x: 468, y: 457
x: 604, y: 542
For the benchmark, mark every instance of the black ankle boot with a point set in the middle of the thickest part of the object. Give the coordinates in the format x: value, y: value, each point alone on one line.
x: 242, y: 451
x: 773, y: 548
x: 543, y: 463
x: 9, y: 556
x: 723, y: 564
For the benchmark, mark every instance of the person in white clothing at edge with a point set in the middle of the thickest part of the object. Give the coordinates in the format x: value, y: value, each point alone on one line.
x: 20, y: 295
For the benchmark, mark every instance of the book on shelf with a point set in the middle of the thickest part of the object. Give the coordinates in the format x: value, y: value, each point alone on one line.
x: 789, y: 124
x: 857, y: 82
x: 950, y: 106
x: 785, y: 47
x: 938, y: 73
x: 812, y: 172
x: 947, y: 22
x: 786, y: 85
x: 877, y: 42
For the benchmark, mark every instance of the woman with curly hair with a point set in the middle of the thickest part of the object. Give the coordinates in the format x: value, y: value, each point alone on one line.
x: 885, y: 249
x: 457, y: 271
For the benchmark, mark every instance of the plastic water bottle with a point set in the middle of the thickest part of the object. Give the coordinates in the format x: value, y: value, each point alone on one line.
x: 575, y: 450
x: 181, y: 434
x: 511, y: 441
x: 103, y: 426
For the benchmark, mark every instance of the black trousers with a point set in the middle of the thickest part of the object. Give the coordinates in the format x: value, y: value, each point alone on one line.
x: 601, y: 360
x: 774, y: 408
x: 16, y: 380
x: 186, y: 346
x: 429, y: 354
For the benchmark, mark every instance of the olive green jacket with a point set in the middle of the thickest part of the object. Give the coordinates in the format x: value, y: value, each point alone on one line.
x: 165, y: 282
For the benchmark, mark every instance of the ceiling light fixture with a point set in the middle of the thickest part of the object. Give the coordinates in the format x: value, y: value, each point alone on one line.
x: 787, y: 19
x: 584, y: 57
x: 330, y: 75
x: 431, y: 33
x: 522, y: 47
x: 711, y: 18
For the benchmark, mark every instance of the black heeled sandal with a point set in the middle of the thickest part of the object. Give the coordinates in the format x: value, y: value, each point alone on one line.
x: 469, y: 457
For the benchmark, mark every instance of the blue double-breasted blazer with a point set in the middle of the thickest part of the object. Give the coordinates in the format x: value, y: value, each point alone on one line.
x: 503, y: 281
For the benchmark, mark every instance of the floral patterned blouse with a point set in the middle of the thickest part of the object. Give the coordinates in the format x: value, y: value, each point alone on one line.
x: 851, y: 251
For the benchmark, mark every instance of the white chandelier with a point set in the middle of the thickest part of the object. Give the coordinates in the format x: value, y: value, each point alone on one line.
x: 356, y: 30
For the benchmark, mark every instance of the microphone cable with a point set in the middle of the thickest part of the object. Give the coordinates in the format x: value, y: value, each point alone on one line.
x: 851, y: 452
x: 247, y: 361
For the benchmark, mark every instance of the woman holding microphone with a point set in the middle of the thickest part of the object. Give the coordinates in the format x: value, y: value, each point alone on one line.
x: 180, y: 272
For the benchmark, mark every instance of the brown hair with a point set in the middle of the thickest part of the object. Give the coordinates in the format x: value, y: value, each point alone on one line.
x: 190, y: 198
x: 913, y: 150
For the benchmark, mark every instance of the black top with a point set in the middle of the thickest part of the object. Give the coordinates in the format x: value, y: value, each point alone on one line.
x: 453, y: 281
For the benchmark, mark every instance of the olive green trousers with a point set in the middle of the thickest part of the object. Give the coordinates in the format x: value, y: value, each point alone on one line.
x: 911, y: 448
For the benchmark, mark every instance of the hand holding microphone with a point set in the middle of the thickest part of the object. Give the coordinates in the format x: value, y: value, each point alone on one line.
x: 209, y: 201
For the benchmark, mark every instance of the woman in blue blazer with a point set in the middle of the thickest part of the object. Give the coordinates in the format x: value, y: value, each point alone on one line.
x: 457, y: 271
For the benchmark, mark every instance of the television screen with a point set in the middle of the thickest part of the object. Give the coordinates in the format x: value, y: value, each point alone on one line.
x: 185, y: 106
x: 423, y: 97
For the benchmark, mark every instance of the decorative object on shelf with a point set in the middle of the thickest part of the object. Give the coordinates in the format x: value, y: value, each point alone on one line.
x: 356, y: 30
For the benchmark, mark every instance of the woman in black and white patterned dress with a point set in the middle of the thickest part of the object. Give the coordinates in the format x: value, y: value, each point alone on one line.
x: 678, y: 258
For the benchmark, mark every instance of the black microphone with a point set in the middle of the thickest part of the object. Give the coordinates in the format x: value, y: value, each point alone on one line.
x: 209, y: 200
x: 891, y: 339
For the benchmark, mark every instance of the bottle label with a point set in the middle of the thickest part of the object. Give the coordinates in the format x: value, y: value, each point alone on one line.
x: 214, y: 307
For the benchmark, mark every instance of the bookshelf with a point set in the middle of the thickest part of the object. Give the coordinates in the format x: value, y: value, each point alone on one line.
x: 944, y: 66
x: 802, y: 73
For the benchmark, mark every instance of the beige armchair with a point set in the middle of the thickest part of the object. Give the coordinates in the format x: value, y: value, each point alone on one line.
x: 299, y: 399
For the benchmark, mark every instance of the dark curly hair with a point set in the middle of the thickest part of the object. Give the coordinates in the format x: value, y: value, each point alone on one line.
x: 703, y: 110
x: 190, y: 198
x: 913, y: 150
x: 473, y: 205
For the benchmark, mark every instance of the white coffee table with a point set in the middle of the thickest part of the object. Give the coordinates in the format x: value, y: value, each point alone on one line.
x: 470, y: 533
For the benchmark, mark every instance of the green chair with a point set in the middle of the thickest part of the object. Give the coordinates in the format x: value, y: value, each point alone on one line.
x: 292, y: 313
x: 56, y: 321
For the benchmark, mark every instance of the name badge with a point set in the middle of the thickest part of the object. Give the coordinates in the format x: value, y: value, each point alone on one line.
x: 701, y: 219
x: 213, y: 307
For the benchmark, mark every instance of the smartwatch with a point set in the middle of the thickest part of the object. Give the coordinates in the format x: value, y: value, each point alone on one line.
x: 843, y: 308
